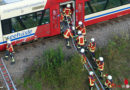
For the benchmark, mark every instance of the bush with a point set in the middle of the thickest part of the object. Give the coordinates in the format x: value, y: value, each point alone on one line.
x: 117, y: 59
x: 56, y: 72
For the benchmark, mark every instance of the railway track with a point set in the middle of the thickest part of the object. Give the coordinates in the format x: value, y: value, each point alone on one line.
x: 6, y: 76
x: 89, y: 68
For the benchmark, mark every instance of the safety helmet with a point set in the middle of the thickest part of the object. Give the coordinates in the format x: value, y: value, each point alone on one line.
x: 73, y: 28
x: 68, y: 5
x: 80, y: 23
x: 101, y: 59
x: 82, y: 50
x: 79, y: 32
x: 91, y: 73
x: 109, y: 77
x: 92, y: 39
x: 8, y: 42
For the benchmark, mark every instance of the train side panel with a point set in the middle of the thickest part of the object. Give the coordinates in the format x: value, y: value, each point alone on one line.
x: 107, y: 14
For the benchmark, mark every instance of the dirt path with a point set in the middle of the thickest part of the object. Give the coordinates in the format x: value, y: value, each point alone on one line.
x: 103, y: 31
x: 26, y: 54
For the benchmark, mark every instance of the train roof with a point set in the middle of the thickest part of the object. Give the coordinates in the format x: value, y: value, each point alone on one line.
x: 4, y: 2
x: 12, y: 8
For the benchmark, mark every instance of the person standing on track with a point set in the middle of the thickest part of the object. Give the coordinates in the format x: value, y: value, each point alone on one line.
x: 67, y: 34
x: 9, y: 52
x: 100, y: 64
x: 68, y: 13
x: 80, y: 40
x: 81, y: 28
x: 92, y: 47
x: 91, y: 80
x: 108, y: 83
x: 83, y: 57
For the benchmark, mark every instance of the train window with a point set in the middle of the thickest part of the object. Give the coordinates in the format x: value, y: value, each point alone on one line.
x: 27, y: 21
x: 113, y: 3
x: 125, y: 1
x: 6, y: 26
x: 93, y: 6
x: 43, y: 17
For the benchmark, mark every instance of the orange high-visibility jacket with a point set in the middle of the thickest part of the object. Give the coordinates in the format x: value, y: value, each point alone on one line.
x: 91, y: 80
x: 61, y: 17
x: 83, y: 59
x: 108, y: 83
x: 68, y: 33
x: 82, y: 29
x: 92, y: 46
x: 100, y: 66
x: 80, y: 40
x: 9, y: 48
x: 67, y: 11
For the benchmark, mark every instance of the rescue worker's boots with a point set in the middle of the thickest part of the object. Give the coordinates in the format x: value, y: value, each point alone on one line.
x: 79, y: 47
x: 12, y: 61
x: 6, y: 58
x: 68, y: 45
x: 90, y: 88
x: 101, y: 75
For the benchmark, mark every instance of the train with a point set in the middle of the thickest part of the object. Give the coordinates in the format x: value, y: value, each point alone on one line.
x: 26, y: 20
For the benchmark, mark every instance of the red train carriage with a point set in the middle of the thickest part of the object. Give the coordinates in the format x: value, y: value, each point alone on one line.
x: 25, y: 20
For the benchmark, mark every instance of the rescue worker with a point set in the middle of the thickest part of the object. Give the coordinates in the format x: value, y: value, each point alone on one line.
x: 68, y: 13
x: 67, y: 35
x: 108, y: 83
x: 62, y: 23
x: 91, y: 80
x: 81, y: 28
x: 92, y: 47
x: 83, y: 57
x: 61, y: 17
x: 80, y: 40
x: 100, y: 64
x: 9, y: 52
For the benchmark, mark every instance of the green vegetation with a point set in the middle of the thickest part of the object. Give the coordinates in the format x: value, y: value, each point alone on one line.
x: 55, y: 72
x: 117, y: 59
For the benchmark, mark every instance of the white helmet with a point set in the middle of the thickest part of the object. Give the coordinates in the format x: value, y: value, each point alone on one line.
x: 80, y: 23
x: 91, y: 73
x: 92, y: 39
x: 109, y: 77
x: 79, y: 32
x: 68, y: 5
x: 73, y: 28
x: 82, y: 50
x: 101, y: 59
x: 8, y: 42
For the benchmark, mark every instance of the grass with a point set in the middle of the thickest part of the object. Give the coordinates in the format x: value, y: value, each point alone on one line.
x: 117, y: 59
x: 55, y: 72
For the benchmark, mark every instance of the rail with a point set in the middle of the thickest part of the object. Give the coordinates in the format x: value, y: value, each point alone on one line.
x: 89, y: 67
x: 6, y: 76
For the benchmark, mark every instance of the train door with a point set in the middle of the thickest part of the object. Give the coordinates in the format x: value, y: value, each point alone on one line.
x: 64, y: 24
x: 55, y: 20
x: 80, y: 12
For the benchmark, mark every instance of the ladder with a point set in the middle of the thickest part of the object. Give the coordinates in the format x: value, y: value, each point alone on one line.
x: 6, y: 76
